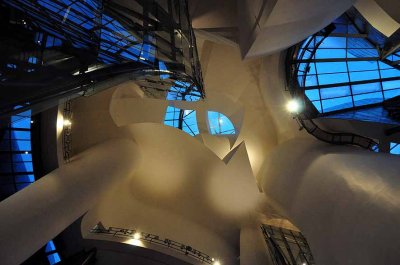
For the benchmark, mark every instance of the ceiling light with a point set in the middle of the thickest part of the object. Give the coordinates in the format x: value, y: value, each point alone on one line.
x: 137, y: 236
x: 293, y: 106
x: 67, y: 123
x: 216, y: 262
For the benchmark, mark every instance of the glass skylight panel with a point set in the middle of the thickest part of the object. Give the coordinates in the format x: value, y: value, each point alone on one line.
x: 219, y: 123
x: 184, y: 120
x: 394, y: 148
x: 344, y: 72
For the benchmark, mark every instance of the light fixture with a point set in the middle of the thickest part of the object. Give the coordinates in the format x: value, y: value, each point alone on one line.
x: 67, y: 123
x: 293, y: 106
x: 32, y: 121
x: 26, y: 152
x: 216, y: 262
x: 137, y: 236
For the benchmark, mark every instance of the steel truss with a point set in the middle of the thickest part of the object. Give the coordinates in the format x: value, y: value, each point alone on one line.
x: 52, y: 49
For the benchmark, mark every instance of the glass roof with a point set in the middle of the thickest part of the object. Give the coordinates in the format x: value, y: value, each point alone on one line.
x: 219, y: 123
x: 344, y: 70
x: 184, y: 120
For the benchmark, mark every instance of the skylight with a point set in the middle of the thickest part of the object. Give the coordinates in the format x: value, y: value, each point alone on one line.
x: 184, y: 120
x: 344, y: 70
x: 220, y: 124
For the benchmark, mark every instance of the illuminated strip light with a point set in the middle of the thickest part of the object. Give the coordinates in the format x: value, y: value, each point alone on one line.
x: 134, y: 235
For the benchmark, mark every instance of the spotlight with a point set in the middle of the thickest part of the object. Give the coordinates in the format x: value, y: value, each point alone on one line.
x: 67, y: 123
x: 216, y: 262
x: 293, y: 106
x: 26, y: 152
x: 32, y: 121
x: 137, y: 236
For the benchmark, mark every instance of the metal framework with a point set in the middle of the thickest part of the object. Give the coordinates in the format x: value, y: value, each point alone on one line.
x: 55, y: 49
x: 287, y: 247
x: 153, y: 239
x: 339, y: 70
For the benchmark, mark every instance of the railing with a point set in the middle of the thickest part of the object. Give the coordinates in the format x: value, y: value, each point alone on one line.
x: 67, y: 131
x: 153, y: 239
x: 305, y: 119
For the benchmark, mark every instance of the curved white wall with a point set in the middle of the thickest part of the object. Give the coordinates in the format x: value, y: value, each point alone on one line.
x: 344, y: 199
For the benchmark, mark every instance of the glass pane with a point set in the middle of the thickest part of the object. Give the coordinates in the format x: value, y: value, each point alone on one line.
x: 361, y: 76
x: 328, y: 79
x: 391, y: 93
x: 312, y: 94
x: 391, y: 84
x: 366, y: 99
x: 390, y: 73
x: 334, y: 92
x: 331, y: 67
x: 219, y: 123
x: 337, y: 104
x: 365, y: 88
x: 363, y: 65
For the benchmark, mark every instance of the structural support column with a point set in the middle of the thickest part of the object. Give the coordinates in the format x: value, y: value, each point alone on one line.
x: 345, y: 200
x: 35, y: 215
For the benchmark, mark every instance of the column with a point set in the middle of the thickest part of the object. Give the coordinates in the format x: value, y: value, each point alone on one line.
x: 36, y: 214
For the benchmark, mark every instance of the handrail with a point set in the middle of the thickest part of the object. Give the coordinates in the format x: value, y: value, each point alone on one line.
x: 305, y: 118
x: 153, y: 239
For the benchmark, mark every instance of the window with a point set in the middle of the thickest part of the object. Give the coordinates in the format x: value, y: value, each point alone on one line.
x: 287, y: 246
x: 17, y: 166
x: 184, y: 120
x: 183, y: 91
x: 219, y: 123
x: 344, y: 70
x: 395, y: 148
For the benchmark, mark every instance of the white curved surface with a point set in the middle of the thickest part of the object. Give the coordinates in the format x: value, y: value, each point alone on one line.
x: 345, y: 200
x: 36, y: 214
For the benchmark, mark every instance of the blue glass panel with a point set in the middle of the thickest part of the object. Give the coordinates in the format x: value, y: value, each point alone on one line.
x: 25, y: 178
x: 50, y: 246
x: 317, y: 104
x: 333, y: 42
x: 219, y: 123
x: 395, y: 148
x: 391, y: 84
x: 366, y: 99
x: 328, y: 79
x: 22, y: 145
x: 331, y: 67
x: 22, y: 157
x: 363, y: 65
x: 330, y: 53
x: 362, y: 53
x: 391, y: 93
x: 312, y: 94
x: 188, y: 119
x: 53, y: 258
x: 23, y: 135
x: 337, y: 104
x: 390, y: 73
x: 367, y: 75
x: 334, y: 92
x: 359, y: 43
x: 163, y: 67
x: 383, y: 65
x: 365, y: 88
x: 311, y: 80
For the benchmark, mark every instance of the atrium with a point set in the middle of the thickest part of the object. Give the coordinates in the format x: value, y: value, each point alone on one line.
x: 221, y: 132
